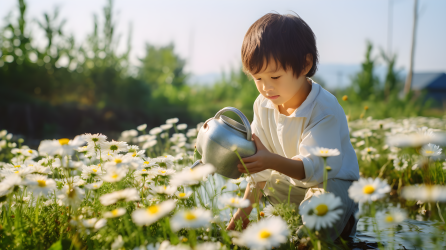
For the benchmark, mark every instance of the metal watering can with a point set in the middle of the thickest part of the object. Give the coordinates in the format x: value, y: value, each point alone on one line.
x: 217, y: 137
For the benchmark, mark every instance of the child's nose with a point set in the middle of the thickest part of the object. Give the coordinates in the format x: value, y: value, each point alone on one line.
x: 267, y: 86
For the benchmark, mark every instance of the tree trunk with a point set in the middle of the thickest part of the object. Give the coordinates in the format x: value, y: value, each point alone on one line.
x: 408, y: 84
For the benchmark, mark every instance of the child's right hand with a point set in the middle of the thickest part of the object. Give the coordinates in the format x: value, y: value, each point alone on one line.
x: 238, y: 215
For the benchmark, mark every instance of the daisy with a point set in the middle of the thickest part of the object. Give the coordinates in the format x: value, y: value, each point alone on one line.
x: 183, y: 195
x: 195, y: 218
x: 155, y: 131
x: 128, y: 194
x: 209, y: 246
x: 168, y: 190
x: 400, y: 164
x: 40, y: 185
x: 149, y: 215
x: 390, y: 218
x: 71, y: 196
x: 425, y: 193
x: 115, y: 213
x: 168, y: 160
x: 182, y: 126
x: 116, y: 146
x: 416, y: 139
x: 320, y: 211
x: 191, y: 132
x: 234, y: 201
x: 114, y: 174
x: 118, y: 243
x: 143, y: 174
x: 269, y: 211
x: 149, y: 144
x: 189, y: 176
x: 172, y: 120
x: 61, y: 147
x: 96, y: 139
x: 431, y: 150
x: 142, y: 127
x: 30, y: 153
x: 162, y: 171
x: 91, y: 171
x: 94, y: 186
x: 166, y: 127
x: 265, y: 234
x: 10, y: 183
x: 324, y: 152
x: 366, y: 190
x: 94, y: 224
x: 39, y: 169
x: 237, y: 181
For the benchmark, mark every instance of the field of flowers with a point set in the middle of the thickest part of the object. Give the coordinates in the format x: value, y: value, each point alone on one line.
x: 140, y: 193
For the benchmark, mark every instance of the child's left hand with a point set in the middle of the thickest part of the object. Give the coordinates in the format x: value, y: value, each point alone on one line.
x: 263, y: 159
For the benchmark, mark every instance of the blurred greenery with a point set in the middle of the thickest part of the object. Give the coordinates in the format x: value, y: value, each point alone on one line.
x: 70, y: 87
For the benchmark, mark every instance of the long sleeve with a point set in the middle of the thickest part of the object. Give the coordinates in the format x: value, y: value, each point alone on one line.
x: 324, y: 132
x: 257, y: 129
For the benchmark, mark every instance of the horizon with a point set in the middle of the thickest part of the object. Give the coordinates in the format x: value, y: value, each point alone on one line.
x: 202, y: 29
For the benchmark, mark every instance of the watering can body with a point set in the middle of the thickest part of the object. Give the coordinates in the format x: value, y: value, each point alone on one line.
x: 217, y: 139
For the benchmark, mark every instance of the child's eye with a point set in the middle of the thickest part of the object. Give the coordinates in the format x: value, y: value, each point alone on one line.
x: 277, y: 77
x: 258, y: 79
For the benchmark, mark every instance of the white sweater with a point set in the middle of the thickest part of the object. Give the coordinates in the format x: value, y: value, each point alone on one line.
x: 319, y: 121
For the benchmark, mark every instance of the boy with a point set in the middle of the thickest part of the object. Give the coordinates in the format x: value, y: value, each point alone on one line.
x: 291, y: 114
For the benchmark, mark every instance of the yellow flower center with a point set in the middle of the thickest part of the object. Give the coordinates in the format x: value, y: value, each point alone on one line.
x: 153, y: 209
x: 64, y: 141
x: 190, y: 216
x: 428, y: 152
x: 143, y: 170
x: 165, y: 156
x: 41, y: 183
x: 115, y: 176
x: 99, y: 164
x: 30, y: 151
x: 117, y: 161
x: 134, y: 154
x: 323, y: 151
x: 182, y: 195
x: 368, y: 189
x: 146, y: 163
x: 184, y: 240
x: 262, y: 214
x: 94, y: 170
x: 321, y: 210
x: 95, y: 186
x: 16, y: 172
x: 389, y: 219
x: 17, y: 166
x: 233, y: 200
x: 114, y: 212
x: 264, y: 234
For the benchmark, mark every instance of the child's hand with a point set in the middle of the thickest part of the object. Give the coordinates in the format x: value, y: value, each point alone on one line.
x: 262, y: 160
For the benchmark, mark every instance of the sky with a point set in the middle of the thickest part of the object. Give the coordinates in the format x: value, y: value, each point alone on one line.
x: 209, y: 34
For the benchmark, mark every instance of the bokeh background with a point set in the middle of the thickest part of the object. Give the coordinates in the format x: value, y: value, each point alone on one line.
x: 72, y: 67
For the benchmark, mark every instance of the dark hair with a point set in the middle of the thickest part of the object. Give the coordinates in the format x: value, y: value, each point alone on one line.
x: 285, y: 38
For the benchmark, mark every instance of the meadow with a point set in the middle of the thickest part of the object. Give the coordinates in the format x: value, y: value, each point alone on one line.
x: 140, y: 193
x: 124, y: 186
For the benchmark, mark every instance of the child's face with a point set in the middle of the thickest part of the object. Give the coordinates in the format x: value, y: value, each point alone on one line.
x: 278, y: 85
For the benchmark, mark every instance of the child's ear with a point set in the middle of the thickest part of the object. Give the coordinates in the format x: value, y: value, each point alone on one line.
x: 308, y: 63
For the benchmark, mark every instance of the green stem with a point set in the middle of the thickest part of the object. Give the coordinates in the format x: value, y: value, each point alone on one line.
x: 325, y: 174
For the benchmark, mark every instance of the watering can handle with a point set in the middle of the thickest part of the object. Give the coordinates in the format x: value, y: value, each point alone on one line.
x: 242, y: 117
